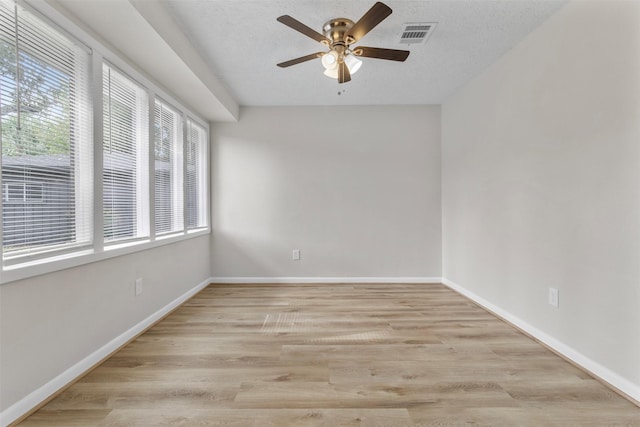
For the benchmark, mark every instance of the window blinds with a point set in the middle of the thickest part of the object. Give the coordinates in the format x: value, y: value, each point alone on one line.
x: 125, y: 157
x: 154, y: 168
x: 168, y: 168
x: 196, y: 175
x: 46, y: 136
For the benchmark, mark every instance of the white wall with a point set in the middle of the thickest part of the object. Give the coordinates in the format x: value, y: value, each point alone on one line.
x: 541, y: 183
x: 51, y: 322
x: 540, y: 188
x: 356, y: 189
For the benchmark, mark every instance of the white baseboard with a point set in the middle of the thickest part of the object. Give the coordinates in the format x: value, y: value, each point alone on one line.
x: 38, y: 396
x: 35, y: 398
x: 625, y: 386
x: 280, y: 279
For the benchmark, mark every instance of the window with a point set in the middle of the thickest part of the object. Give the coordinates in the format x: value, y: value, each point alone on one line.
x: 46, y: 136
x: 196, y: 176
x: 73, y: 190
x: 22, y: 192
x: 167, y: 128
x: 125, y: 143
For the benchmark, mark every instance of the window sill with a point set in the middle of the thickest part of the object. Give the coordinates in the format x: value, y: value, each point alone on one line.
x: 34, y: 268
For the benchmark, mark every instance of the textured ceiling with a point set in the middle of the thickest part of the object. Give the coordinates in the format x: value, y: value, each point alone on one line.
x: 242, y: 42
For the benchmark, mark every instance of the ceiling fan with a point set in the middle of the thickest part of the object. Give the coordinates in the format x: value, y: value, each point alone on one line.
x: 339, y: 34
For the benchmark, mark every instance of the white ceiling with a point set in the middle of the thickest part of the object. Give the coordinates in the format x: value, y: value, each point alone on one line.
x: 241, y: 42
x: 216, y: 55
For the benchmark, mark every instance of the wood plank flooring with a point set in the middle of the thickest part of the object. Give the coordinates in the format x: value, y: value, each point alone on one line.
x: 334, y: 355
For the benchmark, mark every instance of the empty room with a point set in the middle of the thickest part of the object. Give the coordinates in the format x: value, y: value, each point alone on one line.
x: 320, y: 213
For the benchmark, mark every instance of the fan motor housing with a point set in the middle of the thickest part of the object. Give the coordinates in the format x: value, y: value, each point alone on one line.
x: 336, y: 30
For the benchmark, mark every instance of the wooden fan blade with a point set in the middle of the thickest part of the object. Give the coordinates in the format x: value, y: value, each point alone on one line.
x: 300, y: 27
x: 343, y: 73
x: 301, y: 59
x: 381, y: 53
x: 369, y: 20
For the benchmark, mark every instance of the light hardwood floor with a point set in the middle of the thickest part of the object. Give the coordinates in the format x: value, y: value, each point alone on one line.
x: 334, y: 355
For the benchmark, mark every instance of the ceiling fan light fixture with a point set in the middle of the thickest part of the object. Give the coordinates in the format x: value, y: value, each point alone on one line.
x: 353, y: 63
x: 340, y: 62
x: 330, y: 60
x: 331, y: 72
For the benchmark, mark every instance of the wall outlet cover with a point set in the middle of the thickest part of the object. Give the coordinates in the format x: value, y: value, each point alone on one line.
x: 554, y: 297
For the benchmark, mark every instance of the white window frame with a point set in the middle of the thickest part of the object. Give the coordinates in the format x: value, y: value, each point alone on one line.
x: 142, y: 172
x: 177, y: 170
x: 82, y: 152
x: 98, y: 251
x: 202, y: 178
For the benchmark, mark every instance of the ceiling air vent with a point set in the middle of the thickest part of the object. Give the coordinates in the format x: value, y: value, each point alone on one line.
x: 417, y: 32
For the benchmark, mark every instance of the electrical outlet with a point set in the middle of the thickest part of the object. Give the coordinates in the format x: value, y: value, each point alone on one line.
x: 295, y: 254
x: 554, y: 297
x: 138, y: 286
